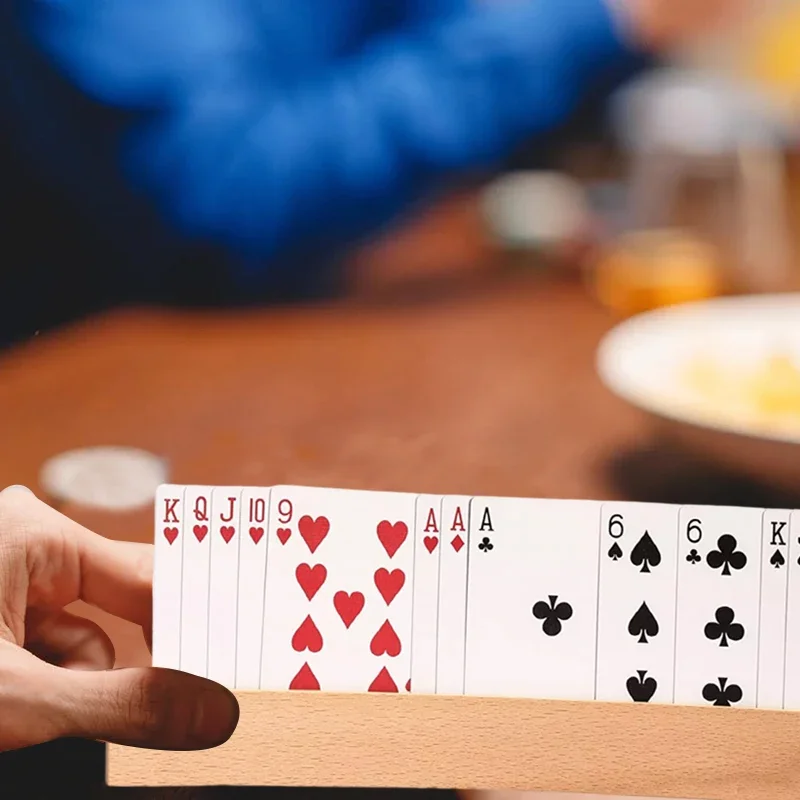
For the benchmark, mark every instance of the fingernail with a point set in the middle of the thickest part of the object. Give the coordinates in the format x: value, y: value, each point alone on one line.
x: 215, y: 717
x: 19, y: 486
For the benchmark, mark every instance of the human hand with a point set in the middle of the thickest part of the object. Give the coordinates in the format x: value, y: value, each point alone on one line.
x: 56, y: 676
x: 662, y: 24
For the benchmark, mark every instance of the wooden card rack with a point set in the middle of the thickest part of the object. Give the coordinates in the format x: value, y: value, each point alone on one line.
x: 418, y: 741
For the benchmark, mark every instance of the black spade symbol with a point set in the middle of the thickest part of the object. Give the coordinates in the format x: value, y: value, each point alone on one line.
x: 646, y: 553
x: 641, y: 689
x: 643, y: 624
x: 777, y: 559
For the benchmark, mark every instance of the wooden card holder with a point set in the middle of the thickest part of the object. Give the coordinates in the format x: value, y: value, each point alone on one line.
x: 418, y: 741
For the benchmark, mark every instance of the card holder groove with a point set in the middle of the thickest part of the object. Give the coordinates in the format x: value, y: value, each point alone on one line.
x: 460, y: 742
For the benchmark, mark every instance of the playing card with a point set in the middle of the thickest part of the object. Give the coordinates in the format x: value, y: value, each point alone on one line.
x: 791, y: 696
x: 719, y: 577
x: 452, y: 595
x: 167, y: 576
x: 223, y: 584
x: 772, y: 619
x: 425, y: 604
x: 338, y: 601
x: 636, y: 615
x: 252, y: 574
x: 196, y: 569
x: 532, y: 598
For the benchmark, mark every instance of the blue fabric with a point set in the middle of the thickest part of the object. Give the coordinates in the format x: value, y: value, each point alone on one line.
x: 266, y: 128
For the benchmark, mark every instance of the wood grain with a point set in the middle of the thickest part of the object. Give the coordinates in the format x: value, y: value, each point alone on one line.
x: 418, y: 741
x: 483, y: 387
x: 468, y: 387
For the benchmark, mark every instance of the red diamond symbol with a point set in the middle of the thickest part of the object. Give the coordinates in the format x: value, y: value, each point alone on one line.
x: 457, y: 543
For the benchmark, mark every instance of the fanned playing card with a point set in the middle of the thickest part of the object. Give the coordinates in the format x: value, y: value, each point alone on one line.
x: 427, y: 551
x: 532, y: 598
x: 772, y: 619
x: 636, y: 619
x: 195, y: 585
x: 168, y: 576
x: 252, y: 576
x: 719, y: 585
x: 792, y: 670
x: 223, y: 584
x: 338, y: 602
x: 452, y: 615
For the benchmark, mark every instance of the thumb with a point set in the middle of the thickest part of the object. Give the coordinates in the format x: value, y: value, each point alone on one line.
x: 161, y: 709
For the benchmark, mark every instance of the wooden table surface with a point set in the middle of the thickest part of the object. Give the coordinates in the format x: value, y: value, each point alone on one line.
x: 490, y: 392
x: 473, y: 381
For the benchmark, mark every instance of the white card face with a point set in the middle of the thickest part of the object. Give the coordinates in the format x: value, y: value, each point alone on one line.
x: 636, y: 616
x: 772, y: 623
x: 338, y: 601
x: 223, y: 584
x: 427, y: 551
x: 791, y: 698
x: 252, y: 575
x: 452, y: 595
x: 168, y: 576
x: 719, y: 586
x: 196, y: 568
x: 532, y: 598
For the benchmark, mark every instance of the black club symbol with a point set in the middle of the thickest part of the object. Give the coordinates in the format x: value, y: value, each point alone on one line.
x: 693, y: 556
x: 485, y: 545
x: 726, y: 555
x: 724, y: 628
x: 722, y: 693
x: 553, y: 614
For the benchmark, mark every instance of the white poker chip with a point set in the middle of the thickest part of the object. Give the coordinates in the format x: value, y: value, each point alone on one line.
x: 109, y: 478
x: 535, y: 208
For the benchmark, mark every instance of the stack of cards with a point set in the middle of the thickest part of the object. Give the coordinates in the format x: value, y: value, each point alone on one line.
x: 293, y: 587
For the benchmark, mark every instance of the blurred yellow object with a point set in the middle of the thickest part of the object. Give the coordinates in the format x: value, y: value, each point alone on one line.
x: 774, y: 60
x: 775, y: 388
x: 767, y: 396
x: 652, y: 269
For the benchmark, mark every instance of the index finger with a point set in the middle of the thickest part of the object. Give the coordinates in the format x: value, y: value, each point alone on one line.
x: 67, y: 562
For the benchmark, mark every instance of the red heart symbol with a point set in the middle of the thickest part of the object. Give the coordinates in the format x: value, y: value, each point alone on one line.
x: 283, y: 535
x: 392, y: 536
x: 348, y: 606
x: 227, y: 532
x: 313, y: 531
x: 310, y: 578
x: 256, y: 534
x: 389, y: 583
x: 430, y: 543
x: 408, y: 685
x: 307, y: 637
x: 383, y: 682
x: 385, y: 641
x: 305, y: 679
x: 200, y: 532
x: 170, y: 534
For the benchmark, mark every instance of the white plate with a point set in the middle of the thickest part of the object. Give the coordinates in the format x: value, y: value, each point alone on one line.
x: 642, y: 361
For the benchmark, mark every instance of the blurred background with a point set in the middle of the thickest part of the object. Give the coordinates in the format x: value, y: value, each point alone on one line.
x: 414, y: 247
